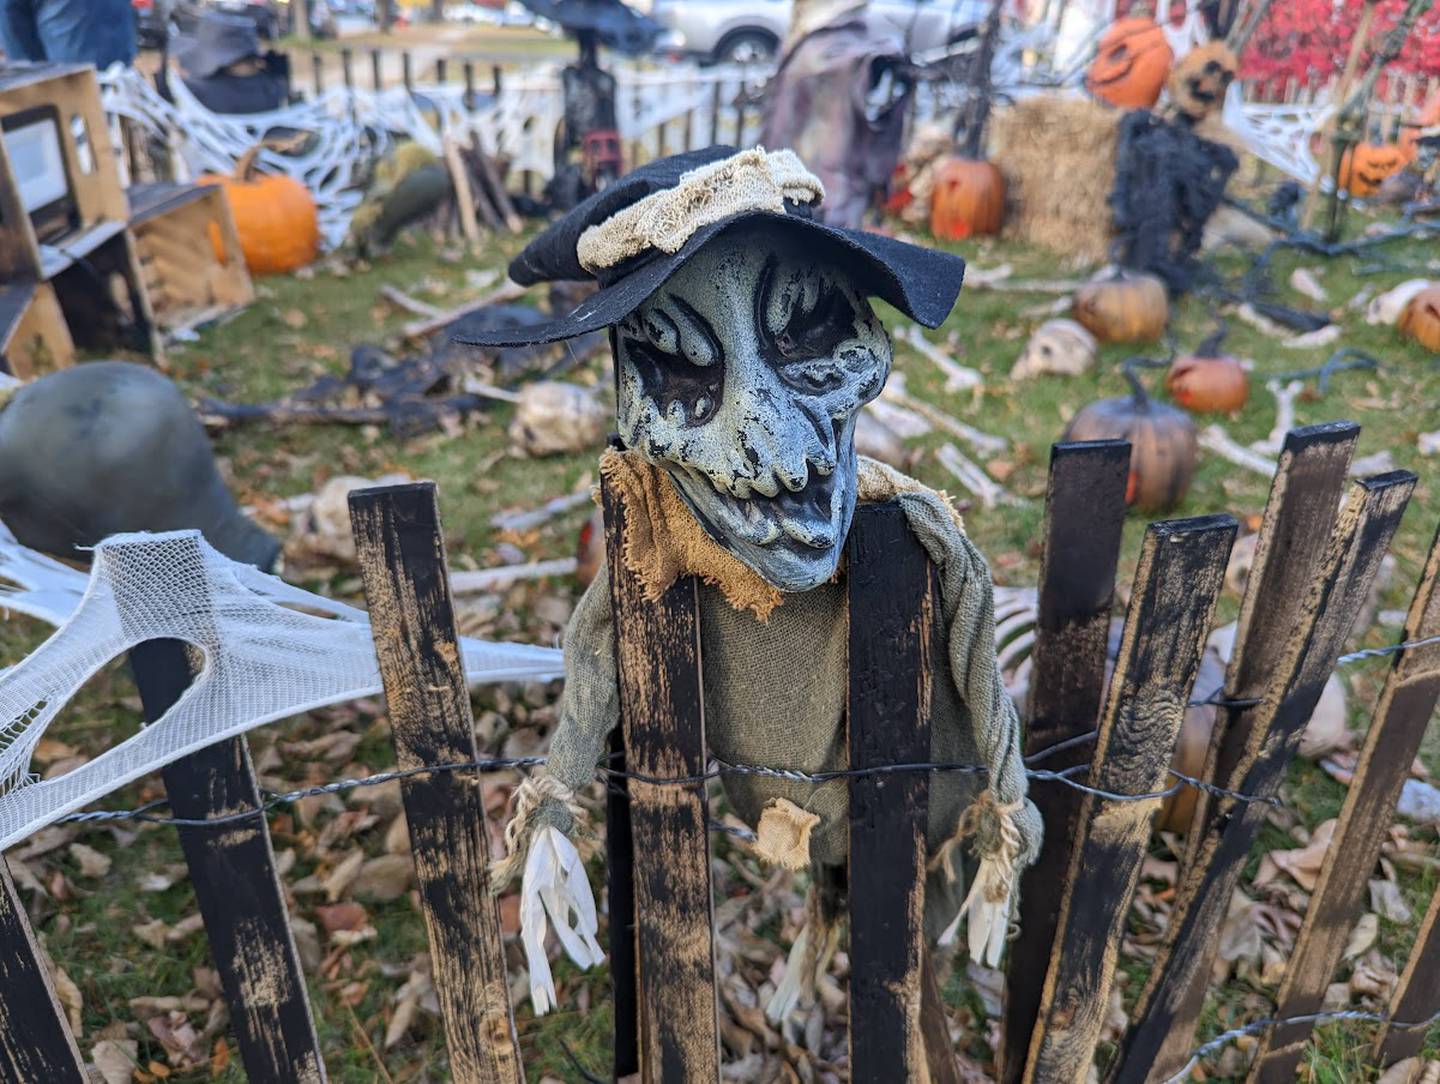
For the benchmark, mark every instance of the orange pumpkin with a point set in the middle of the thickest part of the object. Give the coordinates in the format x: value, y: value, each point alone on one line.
x: 1131, y: 64
x: 1163, y: 444
x: 1365, y: 165
x: 1129, y: 308
x: 969, y: 199
x: 1208, y: 383
x: 1420, y: 319
x: 275, y: 218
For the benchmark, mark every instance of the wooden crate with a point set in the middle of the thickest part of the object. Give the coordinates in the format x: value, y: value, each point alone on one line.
x: 175, y: 228
x: 34, y: 338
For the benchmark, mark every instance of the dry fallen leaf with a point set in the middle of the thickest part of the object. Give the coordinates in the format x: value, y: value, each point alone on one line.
x: 384, y: 878
x: 115, y: 1060
x: 92, y: 862
x: 69, y: 995
x: 1362, y: 936
x: 1303, y: 864
x: 1388, y: 902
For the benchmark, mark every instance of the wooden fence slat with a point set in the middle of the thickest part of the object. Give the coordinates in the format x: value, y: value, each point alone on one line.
x: 1084, y: 520
x: 1417, y: 995
x: 657, y: 650
x: 1160, y: 1039
x: 620, y: 893
x: 1405, y: 706
x: 237, y: 887
x: 892, y: 653
x: 1177, y: 582
x: 402, y: 561
x: 35, y: 1038
x: 1299, y: 517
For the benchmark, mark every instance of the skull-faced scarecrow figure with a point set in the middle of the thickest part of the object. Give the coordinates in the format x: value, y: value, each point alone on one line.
x: 744, y: 346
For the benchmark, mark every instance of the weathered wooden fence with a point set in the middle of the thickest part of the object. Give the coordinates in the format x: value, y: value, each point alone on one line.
x: 1316, y: 558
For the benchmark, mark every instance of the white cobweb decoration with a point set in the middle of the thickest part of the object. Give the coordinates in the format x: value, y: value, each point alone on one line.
x: 268, y: 651
x: 1279, y: 134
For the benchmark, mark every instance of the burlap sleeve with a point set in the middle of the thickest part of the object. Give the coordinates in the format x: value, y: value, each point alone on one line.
x: 589, y: 710
x: 967, y: 597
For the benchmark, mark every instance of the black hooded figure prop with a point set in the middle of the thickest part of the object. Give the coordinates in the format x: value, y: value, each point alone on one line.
x: 108, y: 447
x: 745, y: 345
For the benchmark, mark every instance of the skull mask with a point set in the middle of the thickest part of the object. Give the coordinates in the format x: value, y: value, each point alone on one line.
x: 741, y: 377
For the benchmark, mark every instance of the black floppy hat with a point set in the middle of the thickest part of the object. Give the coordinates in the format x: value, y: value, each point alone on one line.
x: 920, y: 282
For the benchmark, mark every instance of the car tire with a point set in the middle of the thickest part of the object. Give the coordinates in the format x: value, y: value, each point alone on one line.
x: 747, y: 47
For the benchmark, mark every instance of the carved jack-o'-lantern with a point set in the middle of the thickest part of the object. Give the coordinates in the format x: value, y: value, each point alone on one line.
x: 1365, y: 165
x: 968, y: 198
x: 1200, y: 79
x: 1131, y: 64
x: 1421, y: 318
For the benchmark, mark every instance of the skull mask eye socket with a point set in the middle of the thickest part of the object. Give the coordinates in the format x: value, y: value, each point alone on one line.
x: 686, y: 390
x: 800, y: 326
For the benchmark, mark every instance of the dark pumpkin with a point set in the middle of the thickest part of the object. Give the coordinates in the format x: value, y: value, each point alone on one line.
x: 1131, y: 64
x: 1364, y: 167
x: 968, y: 198
x: 1163, y: 444
x: 1420, y: 319
x: 1129, y: 308
x: 1208, y: 384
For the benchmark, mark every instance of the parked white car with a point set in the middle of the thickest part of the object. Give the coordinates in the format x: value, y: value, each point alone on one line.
x: 750, y: 31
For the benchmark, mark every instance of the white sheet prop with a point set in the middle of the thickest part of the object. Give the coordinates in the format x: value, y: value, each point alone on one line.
x: 270, y: 651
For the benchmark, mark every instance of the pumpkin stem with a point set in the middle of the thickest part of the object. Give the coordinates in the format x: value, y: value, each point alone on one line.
x: 245, y: 164
x: 1138, y: 393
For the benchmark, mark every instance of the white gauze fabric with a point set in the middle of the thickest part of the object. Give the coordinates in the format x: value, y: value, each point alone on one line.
x: 36, y: 585
x: 263, y: 659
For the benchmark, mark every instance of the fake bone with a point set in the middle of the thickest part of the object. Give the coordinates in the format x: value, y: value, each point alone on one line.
x: 272, y: 650
x: 1214, y: 438
x: 957, y: 377
x: 1386, y: 308
x: 1303, y: 281
x: 1285, y: 397
x: 970, y: 475
x: 978, y: 439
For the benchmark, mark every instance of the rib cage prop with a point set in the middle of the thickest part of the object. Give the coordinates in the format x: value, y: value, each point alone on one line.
x: 266, y: 651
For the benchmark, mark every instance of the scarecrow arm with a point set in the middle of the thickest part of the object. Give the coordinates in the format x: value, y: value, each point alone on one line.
x: 1005, y: 824
x: 546, y: 817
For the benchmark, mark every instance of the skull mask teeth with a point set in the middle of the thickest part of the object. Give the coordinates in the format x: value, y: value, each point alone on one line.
x: 742, y: 377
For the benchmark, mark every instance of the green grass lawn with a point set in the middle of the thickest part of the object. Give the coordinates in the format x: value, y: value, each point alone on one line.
x: 301, y: 328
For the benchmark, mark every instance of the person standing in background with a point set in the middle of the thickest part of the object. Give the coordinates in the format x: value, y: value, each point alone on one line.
x: 98, y: 32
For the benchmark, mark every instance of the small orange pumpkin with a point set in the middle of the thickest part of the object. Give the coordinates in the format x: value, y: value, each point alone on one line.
x: 1131, y: 64
x: 275, y: 218
x: 1420, y: 319
x: 969, y: 198
x: 1128, y: 308
x: 1366, y: 165
x: 1208, y: 382
x: 1163, y: 443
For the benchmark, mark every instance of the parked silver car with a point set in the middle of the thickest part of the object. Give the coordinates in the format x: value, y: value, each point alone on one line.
x: 750, y: 31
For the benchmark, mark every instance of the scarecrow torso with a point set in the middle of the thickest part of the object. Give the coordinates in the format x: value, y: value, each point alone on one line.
x: 775, y: 695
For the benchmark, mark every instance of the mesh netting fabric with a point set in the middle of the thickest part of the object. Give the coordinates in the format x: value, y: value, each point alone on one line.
x: 269, y: 650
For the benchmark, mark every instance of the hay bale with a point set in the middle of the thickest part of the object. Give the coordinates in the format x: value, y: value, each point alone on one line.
x: 1058, y: 157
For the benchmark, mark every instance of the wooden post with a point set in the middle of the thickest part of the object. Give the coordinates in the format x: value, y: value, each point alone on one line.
x: 1165, y: 1018
x: 1406, y: 704
x: 496, y: 78
x: 657, y: 651
x: 347, y: 67
x: 620, y: 893
x: 1299, y: 517
x: 1177, y: 582
x: 1084, y: 518
x: 715, y: 104
x: 236, y: 886
x: 317, y: 70
x: 896, y: 640
x: 402, y: 561
x: 441, y: 70
x: 407, y: 74
x: 375, y: 74
x: 35, y: 1039
x: 1416, y: 997
x: 469, y: 84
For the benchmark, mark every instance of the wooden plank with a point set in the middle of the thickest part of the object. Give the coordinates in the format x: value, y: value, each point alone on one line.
x: 1084, y: 518
x: 657, y: 652
x: 232, y: 870
x: 1299, y: 517
x: 402, y: 561
x: 620, y: 893
x: 1416, y: 997
x: 35, y: 1038
x: 1160, y: 1039
x: 1391, y: 744
x: 895, y: 640
x: 1177, y: 581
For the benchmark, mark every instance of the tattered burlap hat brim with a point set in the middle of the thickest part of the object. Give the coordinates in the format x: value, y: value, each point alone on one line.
x: 920, y: 282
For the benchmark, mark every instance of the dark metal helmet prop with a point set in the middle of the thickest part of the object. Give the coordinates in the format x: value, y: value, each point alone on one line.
x: 106, y: 447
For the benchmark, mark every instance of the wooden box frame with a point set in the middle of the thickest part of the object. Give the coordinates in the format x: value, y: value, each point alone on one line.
x: 34, y: 337
x: 176, y: 228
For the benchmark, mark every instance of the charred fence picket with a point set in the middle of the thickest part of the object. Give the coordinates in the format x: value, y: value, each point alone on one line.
x: 1098, y: 751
